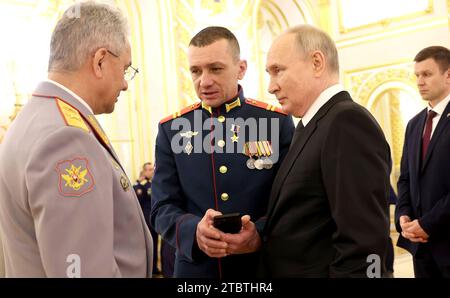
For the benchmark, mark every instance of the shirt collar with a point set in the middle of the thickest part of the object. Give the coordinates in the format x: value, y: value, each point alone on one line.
x: 325, y: 96
x: 229, y: 105
x: 440, y: 107
x: 71, y: 93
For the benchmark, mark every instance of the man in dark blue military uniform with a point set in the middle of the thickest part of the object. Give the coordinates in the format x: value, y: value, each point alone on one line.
x: 215, y: 157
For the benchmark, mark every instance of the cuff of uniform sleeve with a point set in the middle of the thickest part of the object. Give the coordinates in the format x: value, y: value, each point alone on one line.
x: 185, y: 235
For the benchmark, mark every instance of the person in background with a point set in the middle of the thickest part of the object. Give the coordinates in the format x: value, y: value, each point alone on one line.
x: 143, y: 189
x: 422, y: 214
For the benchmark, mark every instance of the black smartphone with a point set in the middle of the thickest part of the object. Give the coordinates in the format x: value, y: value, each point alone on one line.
x: 228, y: 223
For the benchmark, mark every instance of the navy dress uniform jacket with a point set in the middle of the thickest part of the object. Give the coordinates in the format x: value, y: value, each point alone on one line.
x: 188, y: 183
x: 144, y: 194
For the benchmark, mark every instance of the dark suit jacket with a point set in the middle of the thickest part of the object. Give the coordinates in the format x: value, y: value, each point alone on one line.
x: 328, y: 208
x: 424, y: 188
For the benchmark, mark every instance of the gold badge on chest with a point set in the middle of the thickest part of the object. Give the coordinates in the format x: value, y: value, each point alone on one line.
x: 124, y: 182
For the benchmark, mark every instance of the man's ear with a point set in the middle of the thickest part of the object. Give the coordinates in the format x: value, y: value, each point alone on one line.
x: 242, y: 69
x: 318, y: 63
x: 97, y: 61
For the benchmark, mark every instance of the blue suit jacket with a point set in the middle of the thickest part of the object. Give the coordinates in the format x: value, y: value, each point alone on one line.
x: 424, y: 187
x: 186, y: 185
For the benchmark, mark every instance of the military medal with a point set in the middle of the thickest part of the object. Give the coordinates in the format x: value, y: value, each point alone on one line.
x: 189, y: 134
x: 268, y: 163
x: 248, y: 151
x: 251, y: 164
x: 124, y: 183
x: 259, y: 164
x: 262, y: 150
x: 235, y: 130
x: 188, y: 148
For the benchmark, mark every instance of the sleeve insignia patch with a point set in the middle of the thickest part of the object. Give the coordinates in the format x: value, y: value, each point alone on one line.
x: 74, y: 177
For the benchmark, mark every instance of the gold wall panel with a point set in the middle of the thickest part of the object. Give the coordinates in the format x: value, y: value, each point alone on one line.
x: 392, y: 78
x: 384, y: 22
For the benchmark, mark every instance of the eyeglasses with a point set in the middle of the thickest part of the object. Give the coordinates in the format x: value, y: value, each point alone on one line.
x: 130, y: 72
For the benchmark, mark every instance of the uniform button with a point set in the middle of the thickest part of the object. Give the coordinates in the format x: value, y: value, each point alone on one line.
x: 221, y: 143
x: 224, y: 196
x: 221, y: 119
x: 223, y: 169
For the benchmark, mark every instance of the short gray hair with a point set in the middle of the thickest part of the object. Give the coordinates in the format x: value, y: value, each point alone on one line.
x: 76, y: 37
x: 310, y: 39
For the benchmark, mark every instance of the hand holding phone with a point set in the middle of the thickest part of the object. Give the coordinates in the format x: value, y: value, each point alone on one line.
x: 228, y: 223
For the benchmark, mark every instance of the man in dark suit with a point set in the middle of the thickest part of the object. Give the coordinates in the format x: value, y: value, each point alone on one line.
x: 423, y: 208
x: 328, y: 208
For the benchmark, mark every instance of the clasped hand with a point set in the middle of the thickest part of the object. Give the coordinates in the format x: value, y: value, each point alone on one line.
x: 412, y: 230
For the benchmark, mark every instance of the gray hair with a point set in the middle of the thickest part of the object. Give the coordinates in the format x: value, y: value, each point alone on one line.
x: 310, y: 39
x: 78, y: 36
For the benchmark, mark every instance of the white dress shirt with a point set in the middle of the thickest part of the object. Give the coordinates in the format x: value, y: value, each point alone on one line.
x: 71, y: 93
x: 439, y: 109
x: 323, y: 98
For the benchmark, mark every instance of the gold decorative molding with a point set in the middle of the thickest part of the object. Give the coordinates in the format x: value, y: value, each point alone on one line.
x: 382, y: 24
x: 367, y: 83
x: 325, y: 16
x: 362, y: 85
x: 215, y: 7
x: 448, y: 12
x: 184, y: 27
x: 397, y: 131
x: 400, y: 30
x: 272, y: 15
x: 186, y: 23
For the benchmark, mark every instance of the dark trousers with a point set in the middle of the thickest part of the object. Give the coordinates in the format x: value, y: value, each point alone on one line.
x: 155, y: 240
x: 167, y: 259
x: 425, y: 266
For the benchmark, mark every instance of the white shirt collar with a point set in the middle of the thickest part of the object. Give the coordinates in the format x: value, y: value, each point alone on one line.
x: 325, y: 96
x: 71, y: 93
x: 440, y: 107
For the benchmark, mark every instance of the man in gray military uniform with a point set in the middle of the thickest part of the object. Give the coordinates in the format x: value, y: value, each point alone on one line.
x: 67, y: 207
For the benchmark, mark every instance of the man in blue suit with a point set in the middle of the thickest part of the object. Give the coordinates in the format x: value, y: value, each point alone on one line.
x: 423, y: 208
x: 217, y: 156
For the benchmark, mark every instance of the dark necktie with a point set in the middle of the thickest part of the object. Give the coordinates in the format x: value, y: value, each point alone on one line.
x: 297, y: 133
x: 427, y: 134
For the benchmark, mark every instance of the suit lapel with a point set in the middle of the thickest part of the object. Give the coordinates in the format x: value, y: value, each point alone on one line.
x: 297, y: 148
x: 442, y: 124
x: 417, y: 145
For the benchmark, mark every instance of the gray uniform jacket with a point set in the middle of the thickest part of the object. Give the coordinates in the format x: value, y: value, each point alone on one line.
x: 67, y: 207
